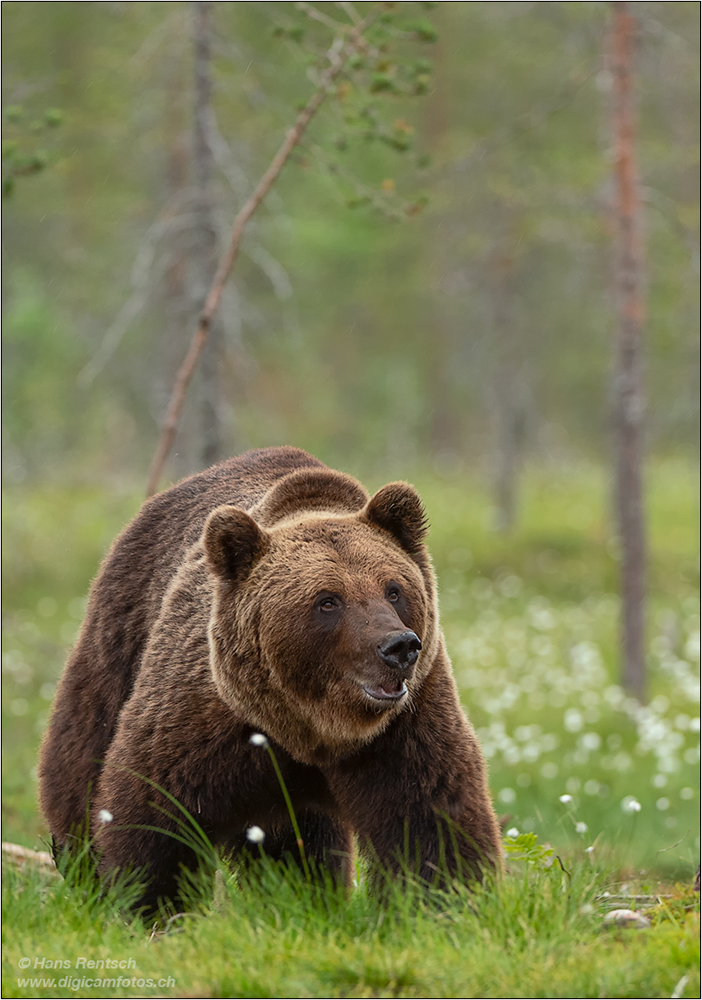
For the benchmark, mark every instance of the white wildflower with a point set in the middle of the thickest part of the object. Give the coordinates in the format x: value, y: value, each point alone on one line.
x: 105, y: 816
x: 581, y: 827
x: 566, y: 799
x: 631, y: 804
x: 512, y: 832
x: 573, y: 720
x: 590, y: 741
x: 258, y: 740
x: 254, y: 833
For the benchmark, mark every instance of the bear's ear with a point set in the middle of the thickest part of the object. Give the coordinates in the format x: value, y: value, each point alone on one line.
x: 233, y: 543
x: 398, y: 509
x: 311, y: 490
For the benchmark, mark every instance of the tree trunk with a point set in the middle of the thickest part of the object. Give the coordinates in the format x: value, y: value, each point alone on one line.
x: 508, y: 402
x: 628, y: 390
x: 205, y: 236
x: 175, y: 284
x: 444, y: 430
x: 177, y: 306
x: 338, y: 58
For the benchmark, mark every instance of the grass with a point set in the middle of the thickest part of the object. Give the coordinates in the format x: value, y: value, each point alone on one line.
x: 531, y: 624
x: 540, y: 935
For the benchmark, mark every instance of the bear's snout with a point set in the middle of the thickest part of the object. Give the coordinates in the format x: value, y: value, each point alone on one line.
x: 400, y: 650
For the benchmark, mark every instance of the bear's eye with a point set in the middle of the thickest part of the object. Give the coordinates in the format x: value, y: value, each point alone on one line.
x: 328, y: 602
x: 393, y: 593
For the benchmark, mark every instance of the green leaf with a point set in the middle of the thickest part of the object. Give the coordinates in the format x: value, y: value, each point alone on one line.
x: 424, y: 30
x: 381, y: 83
x: 399, y: 141
x: 38, y: 161
x: 53, y: 117
x: 525, y: 847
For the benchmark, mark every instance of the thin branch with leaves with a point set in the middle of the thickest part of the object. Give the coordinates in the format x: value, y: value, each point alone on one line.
x: 343, y: 47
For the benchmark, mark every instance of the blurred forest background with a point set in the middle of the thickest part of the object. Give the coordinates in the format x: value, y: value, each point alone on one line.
x: 362, y: 338
x: 426, y: 294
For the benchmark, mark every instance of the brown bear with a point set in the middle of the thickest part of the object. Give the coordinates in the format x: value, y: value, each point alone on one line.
x: 269, y: 594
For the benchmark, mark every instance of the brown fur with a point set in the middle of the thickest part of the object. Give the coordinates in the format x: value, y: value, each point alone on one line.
x: 269, y: 594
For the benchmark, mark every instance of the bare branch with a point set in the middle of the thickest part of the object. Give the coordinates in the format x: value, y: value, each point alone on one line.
x: 349, y: 9
x: 230, y: 50
x: 223, y: 157
x: 139, y: 281
x: 19, y: 856
x: 232, y: 319
x: 274, y: 271
x: 317, y: 15
x: 332, y: 55
x: 153, y: 40
x: 230, y: 169
x: 185, y: 373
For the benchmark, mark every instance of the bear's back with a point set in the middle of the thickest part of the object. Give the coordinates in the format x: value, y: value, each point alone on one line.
x: 136, y: 572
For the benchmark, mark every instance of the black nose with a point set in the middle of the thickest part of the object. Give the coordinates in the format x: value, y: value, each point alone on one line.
x: 399, y: 649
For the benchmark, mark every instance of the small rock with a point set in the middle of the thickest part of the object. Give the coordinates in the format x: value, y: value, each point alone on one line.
x: 626, y: 918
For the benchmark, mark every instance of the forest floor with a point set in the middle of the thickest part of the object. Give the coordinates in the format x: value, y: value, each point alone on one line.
x: 531, y: 624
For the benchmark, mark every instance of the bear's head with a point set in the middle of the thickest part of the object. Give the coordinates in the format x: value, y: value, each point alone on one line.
x: 324, y: 619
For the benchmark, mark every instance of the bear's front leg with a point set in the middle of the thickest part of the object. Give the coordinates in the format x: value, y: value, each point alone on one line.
x: 327, y: 845
x: 136, y: 827
x: 417, y: 796
x: 199, y: 754
x: 157, y: 859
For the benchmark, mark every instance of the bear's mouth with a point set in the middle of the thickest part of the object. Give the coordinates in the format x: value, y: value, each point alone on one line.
x: 387, y: 691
